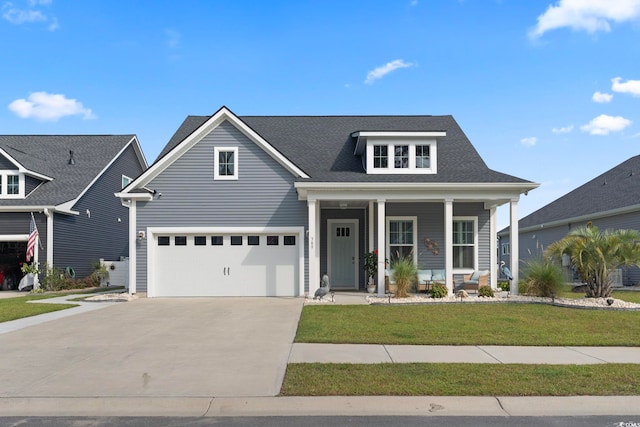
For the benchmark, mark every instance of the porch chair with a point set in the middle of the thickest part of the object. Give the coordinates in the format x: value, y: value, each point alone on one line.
x: 476, y: 280
x: 424, y: 281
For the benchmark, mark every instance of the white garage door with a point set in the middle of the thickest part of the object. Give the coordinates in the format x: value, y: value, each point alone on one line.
x: 225, y: 264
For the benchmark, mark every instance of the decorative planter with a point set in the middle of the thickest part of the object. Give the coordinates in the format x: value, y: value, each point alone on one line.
x: 371, y: 286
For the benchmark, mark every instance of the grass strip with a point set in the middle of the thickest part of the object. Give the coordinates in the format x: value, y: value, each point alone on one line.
x: 18, y: 308
x: 457, y: 379
x: 467, y: 324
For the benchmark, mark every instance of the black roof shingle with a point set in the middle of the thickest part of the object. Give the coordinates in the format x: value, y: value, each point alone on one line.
x: 322, y: 146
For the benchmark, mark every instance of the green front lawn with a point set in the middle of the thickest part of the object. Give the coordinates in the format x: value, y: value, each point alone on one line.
x: 18, y: 308
x: 468, y: 324
x: 457, y: 379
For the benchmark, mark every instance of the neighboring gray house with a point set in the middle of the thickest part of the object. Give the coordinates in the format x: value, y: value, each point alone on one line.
x: 609, y: 201
x: 66, y: 182
x: 255, y: 206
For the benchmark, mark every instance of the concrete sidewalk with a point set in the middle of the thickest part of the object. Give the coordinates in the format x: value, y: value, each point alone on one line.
x: 374, y: 353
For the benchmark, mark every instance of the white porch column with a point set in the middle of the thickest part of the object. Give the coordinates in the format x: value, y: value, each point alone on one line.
x: 493, y: 257
x: 372, y: 243
x: 133, y: 247
x: 49, y: 216
x: 448, y: 244
x: 314, y: 247
x: 382, y: 245
x: 514, y: 234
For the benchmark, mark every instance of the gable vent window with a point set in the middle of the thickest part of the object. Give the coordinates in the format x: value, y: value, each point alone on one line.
x: 226, y: 163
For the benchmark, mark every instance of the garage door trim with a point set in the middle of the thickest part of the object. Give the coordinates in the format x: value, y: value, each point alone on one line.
x: 153, y: 232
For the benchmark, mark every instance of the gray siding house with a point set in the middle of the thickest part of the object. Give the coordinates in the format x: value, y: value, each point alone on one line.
x: 265, y: 205
x: 66, y: 184
x: 609, y: 201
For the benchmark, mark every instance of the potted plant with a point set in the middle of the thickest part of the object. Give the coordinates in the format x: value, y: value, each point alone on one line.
x: 371, y: 268
x: 29, y: 268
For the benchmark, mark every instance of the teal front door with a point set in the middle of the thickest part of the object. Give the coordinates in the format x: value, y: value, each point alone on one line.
x: 342, y: 256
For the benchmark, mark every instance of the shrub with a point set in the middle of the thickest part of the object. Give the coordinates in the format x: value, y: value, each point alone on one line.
x: 505, y: 286
x: 542, y: 278
x: 438, y: 290
x: 405, y: 274
x: 485, y: 291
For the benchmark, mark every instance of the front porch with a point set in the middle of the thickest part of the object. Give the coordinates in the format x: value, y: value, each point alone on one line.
x: 456, y: 235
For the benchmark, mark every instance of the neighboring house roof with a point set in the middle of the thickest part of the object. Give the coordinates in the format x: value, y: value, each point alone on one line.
x: 47, y: 158
x: 613, y: 192
x: 322, y: 146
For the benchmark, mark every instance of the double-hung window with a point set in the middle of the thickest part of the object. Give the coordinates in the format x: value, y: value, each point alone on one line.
x: 226, y: 163
x: 465, y: 248
x: 423, y: 159
x: 401, y: 238
x: 11, y: 185
x: 380, y: 156
x: 401, y: 156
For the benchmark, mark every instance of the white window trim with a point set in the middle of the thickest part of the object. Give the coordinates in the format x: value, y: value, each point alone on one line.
x: 4, y: 175
x: 475, y: 243
x: 412, y: 169
x: 414, y: 219
x: 505, y: 249
x: 216, y: 163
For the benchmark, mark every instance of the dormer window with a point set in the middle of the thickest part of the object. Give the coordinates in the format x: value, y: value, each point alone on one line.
x: 380, y: 156
x: 11, y: 185
x: 399, y: 152
x: 423, y: 159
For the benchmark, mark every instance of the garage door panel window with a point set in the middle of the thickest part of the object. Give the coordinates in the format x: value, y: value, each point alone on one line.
x: 289, y: 240
x: 273, y: 241
x: 163, y: 241
x: 253, y: 240
x: 200, y: 240
x: 217, y: 240
x: 236, y: 240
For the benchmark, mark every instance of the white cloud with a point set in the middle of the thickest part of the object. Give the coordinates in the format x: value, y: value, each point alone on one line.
x: 565, y: 129
x: 31, y: 14
x: 529, y: 142
x: 602, y: 98
x: 588, y: 15
x: 49, y: 107
x: 630, y: 86
x: 173, y: 38
x: 383, y: 70
x: 603, y: 124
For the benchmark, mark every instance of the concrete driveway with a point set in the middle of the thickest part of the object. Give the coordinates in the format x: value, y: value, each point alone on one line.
x: 180, y: 347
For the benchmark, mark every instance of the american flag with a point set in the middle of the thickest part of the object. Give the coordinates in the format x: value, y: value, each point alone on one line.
x: 33, y: 239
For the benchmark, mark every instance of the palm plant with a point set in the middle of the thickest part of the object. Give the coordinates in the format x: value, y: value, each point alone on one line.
x: 595, y: 255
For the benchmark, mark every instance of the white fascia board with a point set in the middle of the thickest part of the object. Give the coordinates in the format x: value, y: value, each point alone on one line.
x: 578, y: 219
x: 68, y: 205
x: 24, y: 208
x: 24, y: 170
x: 139, y: 153
x: 134, y: 196
x: 362, y: 136
x: 499, y: 192
x: 223, y: 114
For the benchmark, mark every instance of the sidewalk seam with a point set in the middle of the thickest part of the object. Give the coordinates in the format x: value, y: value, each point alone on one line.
x: 501, y: 406
x: 384, y: 346
x: 489, y: 354
x: 585, y: 354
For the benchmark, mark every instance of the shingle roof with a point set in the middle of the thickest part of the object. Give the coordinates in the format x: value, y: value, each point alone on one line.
x: 615, y: 189
x: 322, y: 146
x: 49, y: 155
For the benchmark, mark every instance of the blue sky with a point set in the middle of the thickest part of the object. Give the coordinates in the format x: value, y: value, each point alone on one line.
x: 548, y: 91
